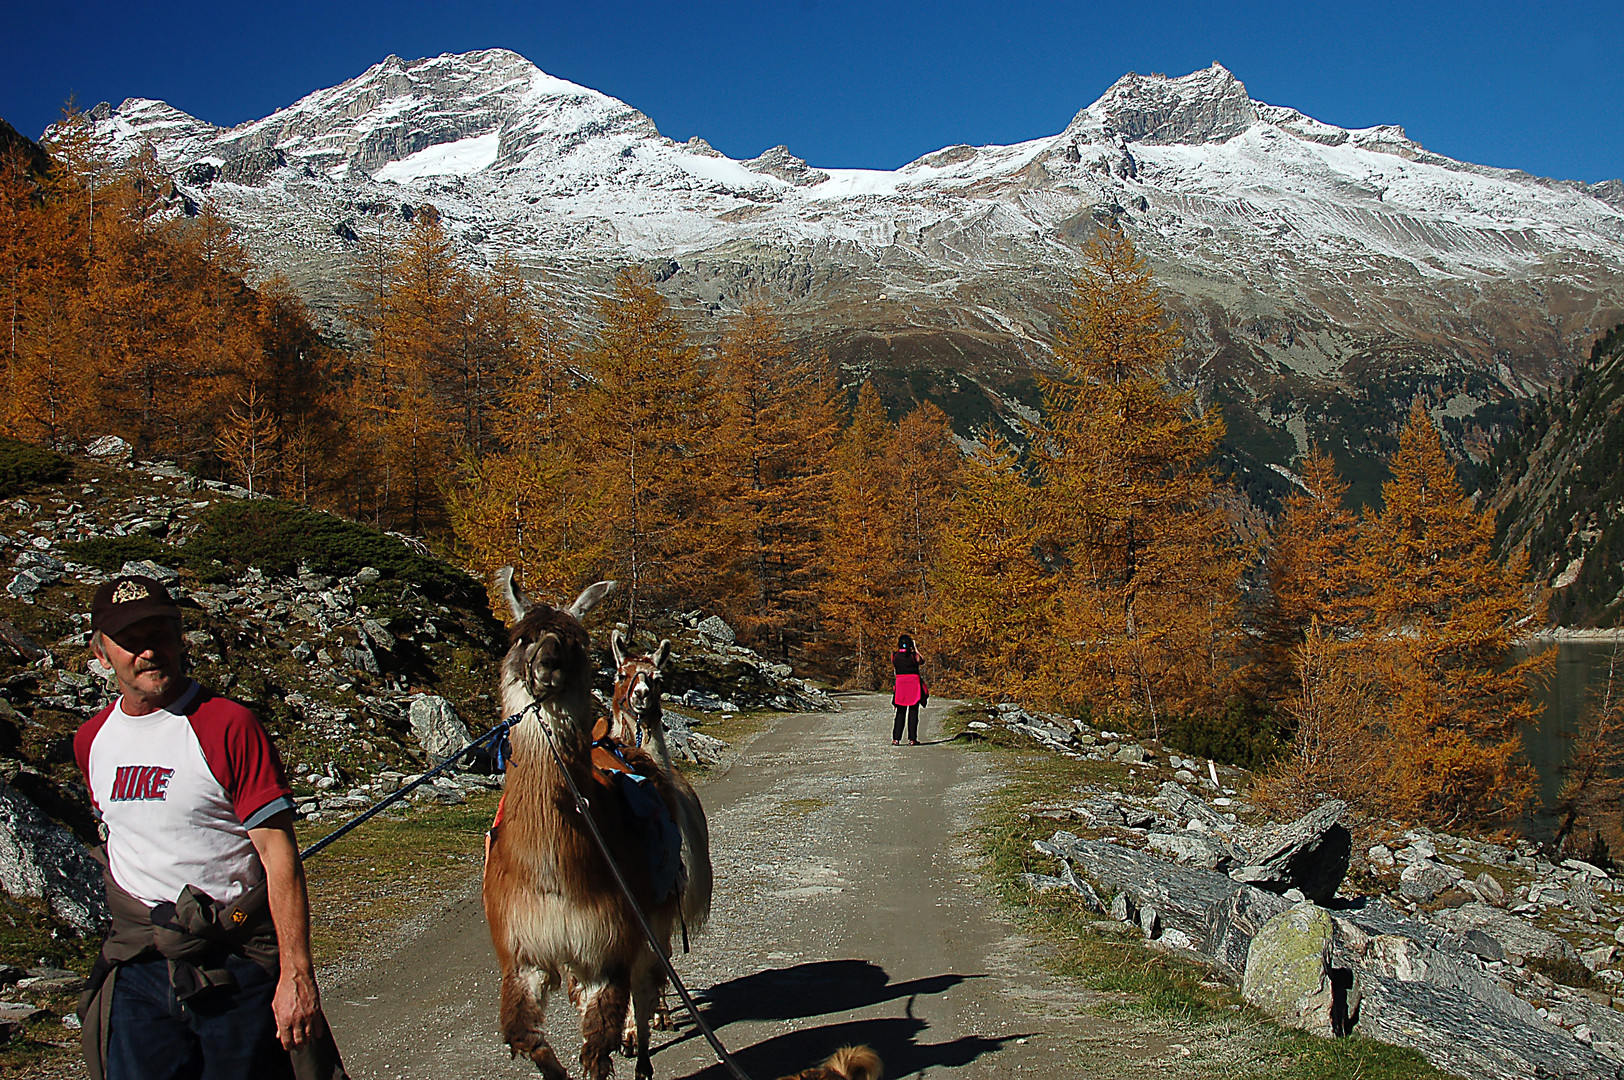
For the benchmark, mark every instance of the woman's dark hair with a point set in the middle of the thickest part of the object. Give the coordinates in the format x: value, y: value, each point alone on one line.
x: 905, y: 642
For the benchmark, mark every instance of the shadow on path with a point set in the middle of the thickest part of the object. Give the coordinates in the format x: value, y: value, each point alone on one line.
x: 894, y: 1038
x: 813, y: 989
x: 820, y: 988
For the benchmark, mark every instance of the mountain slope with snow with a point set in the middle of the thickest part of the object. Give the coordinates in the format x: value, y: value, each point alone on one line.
x: 1323, y: 276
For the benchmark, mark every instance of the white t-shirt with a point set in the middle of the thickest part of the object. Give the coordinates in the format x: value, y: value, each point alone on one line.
x: 179, y: 789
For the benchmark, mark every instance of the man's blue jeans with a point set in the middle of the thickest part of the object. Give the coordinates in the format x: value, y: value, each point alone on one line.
x: 219, y: 1035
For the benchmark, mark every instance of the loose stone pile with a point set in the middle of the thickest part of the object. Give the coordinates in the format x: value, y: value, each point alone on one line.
x: 1448, y: 944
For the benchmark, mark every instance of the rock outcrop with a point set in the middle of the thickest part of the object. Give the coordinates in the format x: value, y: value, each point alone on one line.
x: 41, y: 859
x: 1183, y: 868
x: 435, y: 724
x: 1310, y: 855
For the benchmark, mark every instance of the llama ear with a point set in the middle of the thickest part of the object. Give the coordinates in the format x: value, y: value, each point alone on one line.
x: 517, y: 601
x: 589, y: 599
x: 617, y: 644
x: 662, y: 654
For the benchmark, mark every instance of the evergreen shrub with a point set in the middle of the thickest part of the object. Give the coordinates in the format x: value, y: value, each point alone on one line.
x: 112, y: 552
x: 23, y: 464
x: 1248, y: 734
x: 277, y: 536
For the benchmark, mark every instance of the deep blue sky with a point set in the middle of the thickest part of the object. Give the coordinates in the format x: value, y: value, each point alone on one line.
x: 1536, y: 86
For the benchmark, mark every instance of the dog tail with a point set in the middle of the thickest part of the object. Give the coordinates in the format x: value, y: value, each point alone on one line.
x: 854, y: 1063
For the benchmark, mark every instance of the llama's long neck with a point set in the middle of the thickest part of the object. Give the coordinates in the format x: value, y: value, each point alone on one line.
x: 653, y: 721
x: 537, y: 801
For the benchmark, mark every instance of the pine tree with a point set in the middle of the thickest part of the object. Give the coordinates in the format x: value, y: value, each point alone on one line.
x: 442, y: 342
x: 49, y: 376
x: 534, y: 504
x: 991, y: 608
x: 123, y: 316
x: 532, y: 509
x: 304, y: 383
x: 1339, y: 742
x: 1149, y: 577
x: 775, y: 426
x: 864, y: 583
x: 140, y: 311
x: 1311, y: 554
x: 1445, y: 615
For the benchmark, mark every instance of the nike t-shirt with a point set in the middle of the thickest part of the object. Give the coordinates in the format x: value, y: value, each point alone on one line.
x: 178, y: 790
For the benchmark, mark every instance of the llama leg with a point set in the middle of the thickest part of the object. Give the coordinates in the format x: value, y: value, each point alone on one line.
x: 647, y: 986
x: 628, y: 1030
x: 646, y: 990
x: 661, y: 1020
x: 600, y: 1027
x: 524, y: 1009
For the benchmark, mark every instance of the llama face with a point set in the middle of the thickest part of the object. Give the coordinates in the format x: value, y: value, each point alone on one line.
x: 549, y: 654
x: 639, y: 682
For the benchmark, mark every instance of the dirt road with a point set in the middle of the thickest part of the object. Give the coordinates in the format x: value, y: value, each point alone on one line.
x: 847, y: 910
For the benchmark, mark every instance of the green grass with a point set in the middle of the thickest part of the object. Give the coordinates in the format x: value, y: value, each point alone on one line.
x: 366, y: 886
x: 28, y: 935
x: 1138, y: 981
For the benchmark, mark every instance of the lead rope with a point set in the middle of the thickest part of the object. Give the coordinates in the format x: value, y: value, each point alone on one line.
x: 581, y: 806
x: 493, y: 741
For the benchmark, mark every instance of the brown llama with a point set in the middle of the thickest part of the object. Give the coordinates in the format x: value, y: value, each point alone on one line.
x: 638, y: 720
x: 551, y: 900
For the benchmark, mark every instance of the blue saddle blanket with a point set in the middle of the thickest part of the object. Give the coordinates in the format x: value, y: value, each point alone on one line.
x: 662, y: 840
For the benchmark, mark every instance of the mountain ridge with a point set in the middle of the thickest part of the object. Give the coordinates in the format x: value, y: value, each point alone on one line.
x: 1323, y: 276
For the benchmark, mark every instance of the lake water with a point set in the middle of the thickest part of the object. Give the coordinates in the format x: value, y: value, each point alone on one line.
x: 1579, y: 677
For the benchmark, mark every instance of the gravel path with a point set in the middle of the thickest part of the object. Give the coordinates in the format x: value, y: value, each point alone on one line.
x: 847, y: 910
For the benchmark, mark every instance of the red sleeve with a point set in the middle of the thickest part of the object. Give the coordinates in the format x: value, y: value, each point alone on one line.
x: 81, y: 746
x: 241, y: 756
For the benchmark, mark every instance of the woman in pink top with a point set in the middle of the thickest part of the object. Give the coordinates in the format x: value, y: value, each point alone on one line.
x: 910, y: 692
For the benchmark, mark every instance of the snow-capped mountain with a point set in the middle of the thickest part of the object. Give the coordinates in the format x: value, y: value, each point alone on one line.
x: 1322, y: 275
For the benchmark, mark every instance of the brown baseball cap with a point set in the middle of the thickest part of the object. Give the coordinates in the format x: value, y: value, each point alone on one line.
x: 128, y: 599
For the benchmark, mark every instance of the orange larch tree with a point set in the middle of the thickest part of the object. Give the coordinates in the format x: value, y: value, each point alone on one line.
x: 864, y: 580
x: 775, y: 429
x: 991, y: 609
x: 639, y: 433
x: 1445, y: 618
x: 1149, y: 575
x: 248, y: 439
x: 927, y: 466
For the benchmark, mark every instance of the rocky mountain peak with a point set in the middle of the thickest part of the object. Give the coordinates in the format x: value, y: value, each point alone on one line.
x: 786, y: 166
x: 1203, y: 107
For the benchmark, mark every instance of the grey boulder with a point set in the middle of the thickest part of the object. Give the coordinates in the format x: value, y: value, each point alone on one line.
x: 1519, y: 938
x: 1424, y: 879
x: 436, y: 726
x: 1289, y: 974
x: 1311, y: 855
x: 41, y: 859
x: 1456, y: 1033
x: 717, y: 630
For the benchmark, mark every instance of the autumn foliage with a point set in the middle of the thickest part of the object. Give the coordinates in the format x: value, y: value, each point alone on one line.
x: 1407, y: 698
x: 128, y: 312
x: 1087, y: 564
